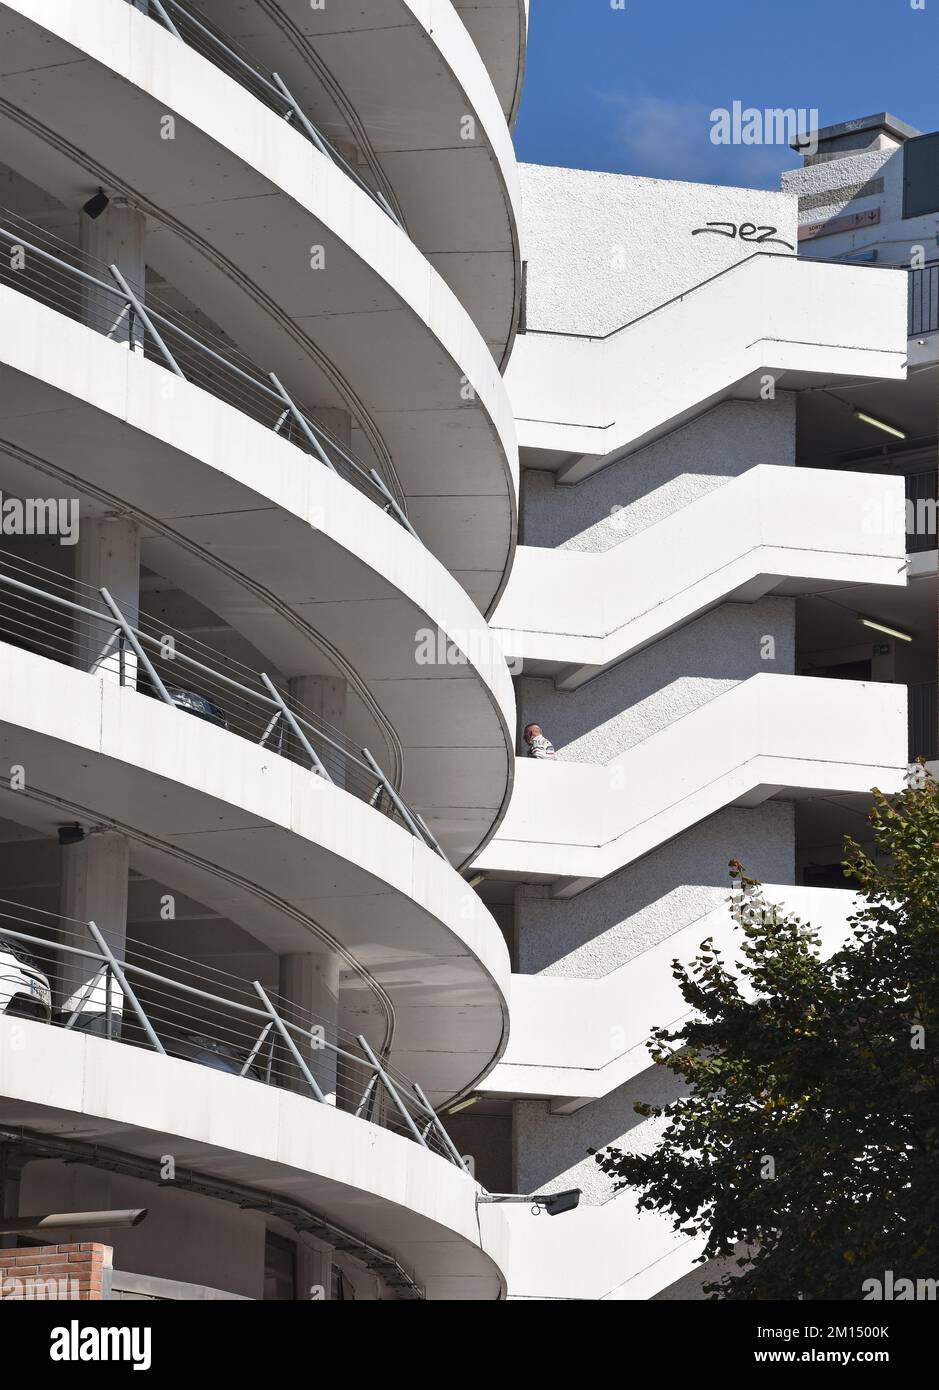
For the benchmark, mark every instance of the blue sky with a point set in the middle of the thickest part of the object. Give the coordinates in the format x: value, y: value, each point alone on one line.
x: 632, y: 90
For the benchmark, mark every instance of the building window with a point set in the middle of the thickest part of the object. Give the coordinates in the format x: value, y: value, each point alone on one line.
x: 921, y: 175
x: 280, y: 1269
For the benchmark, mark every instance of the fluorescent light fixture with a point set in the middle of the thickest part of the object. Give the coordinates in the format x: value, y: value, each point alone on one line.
x: 71, y: 1221
x: 883, y: 627
x: 462, y: 1105
x: 879, y: 424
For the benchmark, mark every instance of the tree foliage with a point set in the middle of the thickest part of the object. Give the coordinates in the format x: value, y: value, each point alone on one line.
x: 807, y: 1142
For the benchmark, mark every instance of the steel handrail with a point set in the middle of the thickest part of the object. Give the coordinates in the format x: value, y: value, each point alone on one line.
x: 369, y: 482
x: 378, y: 1075
x: 274, y: 86
x: 112, y: 616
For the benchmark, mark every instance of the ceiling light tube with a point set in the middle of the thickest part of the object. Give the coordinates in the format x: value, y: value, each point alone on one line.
x: 879, y: 424
x: 883, y: 627
x: 462, y: 1105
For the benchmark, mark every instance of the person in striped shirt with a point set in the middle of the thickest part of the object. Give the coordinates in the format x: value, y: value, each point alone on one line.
x: 538, y: 745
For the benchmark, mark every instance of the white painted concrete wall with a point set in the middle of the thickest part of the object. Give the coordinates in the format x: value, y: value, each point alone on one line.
x: 586, y: 1037
x: 582, y: 822
x: 608, y: 507
x: 604, y: 248
x: 739, y: 540
x: 406, y: 1199
x: 599, y: 396
x: 633, y: 911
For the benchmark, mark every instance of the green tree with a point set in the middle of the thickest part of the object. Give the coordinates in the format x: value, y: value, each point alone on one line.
x: 808, y: 1133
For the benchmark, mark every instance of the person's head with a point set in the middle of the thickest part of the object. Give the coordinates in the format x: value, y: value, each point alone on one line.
x: 532, y: 731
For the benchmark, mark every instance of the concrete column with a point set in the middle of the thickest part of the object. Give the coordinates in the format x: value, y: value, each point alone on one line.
x: 324, y: 698
x: 314, y: 1274
x: 116, y: 237
x: 107, y: 556
x: 309, y: 982
x: 93, y: 887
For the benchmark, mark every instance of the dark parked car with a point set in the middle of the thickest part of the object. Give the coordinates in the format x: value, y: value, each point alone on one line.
x: 197, y: 705
x: 193, y: 1047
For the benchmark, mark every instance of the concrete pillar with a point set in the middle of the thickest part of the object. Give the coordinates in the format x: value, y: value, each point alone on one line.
x: 309, y: 982
x: 93, y: 887
x: 107, y: 556
x: 324, y: 698
x: 314, y: 1274
x: 116, y: 237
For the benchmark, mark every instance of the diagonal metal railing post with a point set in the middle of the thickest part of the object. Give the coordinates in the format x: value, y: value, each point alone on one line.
x: 429, y: 835
x: 295, y: 110
x: 303, y: 423
x: 451, y: 1148
x: 86, y: 994
x: 142, y: 657
x: 288, y: 1041
x: 129, y: 994
x: 271, y: 726
x: 161, y: 11
x: 249, y: 1061
x: 330, y: 154
x: 390, y: 1088
x: 392, y: 503
x: 405, y: 814
x: 108, y: 1007
x: 364, y: 1106
x: 147, y: 322
x: 288, y: 714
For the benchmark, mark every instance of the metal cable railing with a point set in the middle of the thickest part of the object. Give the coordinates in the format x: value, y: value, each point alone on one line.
x: 192, y: 27
x: 55, y: 273
x: 65, y: 972
x: 50, y: 615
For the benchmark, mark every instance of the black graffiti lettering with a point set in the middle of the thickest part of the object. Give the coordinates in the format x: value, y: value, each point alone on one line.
x: 747, y: 231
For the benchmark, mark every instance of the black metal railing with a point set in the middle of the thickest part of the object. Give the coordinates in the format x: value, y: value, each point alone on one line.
x: 923, y: 290
x: 922, y: 717
x: 921, y: 508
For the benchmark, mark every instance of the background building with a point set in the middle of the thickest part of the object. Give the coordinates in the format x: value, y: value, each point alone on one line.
x: 708, y: 530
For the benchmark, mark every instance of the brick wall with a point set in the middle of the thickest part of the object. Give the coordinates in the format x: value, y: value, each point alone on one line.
x: 81, y: 1272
